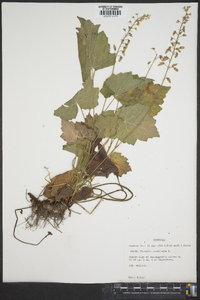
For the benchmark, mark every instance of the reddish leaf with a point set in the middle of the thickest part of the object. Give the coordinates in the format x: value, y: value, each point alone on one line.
x: 99, y: 163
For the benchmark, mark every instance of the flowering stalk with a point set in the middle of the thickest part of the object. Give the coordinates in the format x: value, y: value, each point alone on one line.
x: 125, y: 41
x: 156, y: 56
x: 175, y: 42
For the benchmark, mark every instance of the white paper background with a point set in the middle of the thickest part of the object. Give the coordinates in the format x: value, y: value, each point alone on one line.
x: 41, y: 71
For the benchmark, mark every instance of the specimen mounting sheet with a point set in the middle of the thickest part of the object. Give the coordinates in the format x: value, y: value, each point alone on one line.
x: 150, y: 238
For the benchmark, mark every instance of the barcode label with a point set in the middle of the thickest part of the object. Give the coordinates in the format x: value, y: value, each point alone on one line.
x: 110, y: 12
x: 102, y: 11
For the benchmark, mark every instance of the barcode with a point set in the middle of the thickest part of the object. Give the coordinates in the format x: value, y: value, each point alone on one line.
x: 110, y: 12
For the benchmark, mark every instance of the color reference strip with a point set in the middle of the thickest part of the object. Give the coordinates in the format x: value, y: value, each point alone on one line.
x: 191, y: 290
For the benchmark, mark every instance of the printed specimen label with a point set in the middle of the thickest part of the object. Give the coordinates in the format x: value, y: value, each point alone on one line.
x: 103, y: 11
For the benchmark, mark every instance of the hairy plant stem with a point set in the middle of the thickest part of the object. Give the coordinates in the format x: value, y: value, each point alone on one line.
x: 110, y: 103
x: 82, y: 113
x: 117, y: 107
x: 104, y: 105
x: 93, y: 73
x: 151, y: 64
x: 111, y: 142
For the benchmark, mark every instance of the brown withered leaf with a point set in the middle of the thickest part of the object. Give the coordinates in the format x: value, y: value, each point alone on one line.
x: 99, y: 163
x: 85, y: 132
x: 83, y: 194
x: 70, y: 133
x: 121, y: 163
x: 64, y: 193
x: 58, y: 182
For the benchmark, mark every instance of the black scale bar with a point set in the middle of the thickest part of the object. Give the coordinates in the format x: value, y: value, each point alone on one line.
x: 129, y: 291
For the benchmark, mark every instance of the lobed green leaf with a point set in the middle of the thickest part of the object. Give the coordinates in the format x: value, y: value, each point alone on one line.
x: 117, y: 85
x: 106, y: 125
x: 68, y: 111
x: 93, y: 48
x: 149, y: 94
x: 137, y: 124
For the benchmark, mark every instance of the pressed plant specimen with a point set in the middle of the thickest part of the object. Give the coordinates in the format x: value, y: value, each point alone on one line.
x: 95, y: 138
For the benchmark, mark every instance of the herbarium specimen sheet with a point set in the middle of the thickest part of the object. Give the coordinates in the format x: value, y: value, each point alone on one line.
x: 106, y: 95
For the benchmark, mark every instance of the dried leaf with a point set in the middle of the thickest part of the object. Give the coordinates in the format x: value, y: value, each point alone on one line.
x: 70, y: 133
x: 84, y: 193
x: 155, y: 98
x: 161, y: 63
x: 146, y: 129
x: 137, y: 124
x: 93, y: 47
x: 106, y: 125
x: 85, y: 132
x: 99, y: 163
x: 118, y: 84
x: 149, y: 94
x: 131, y: 97
x: 168, y: 79
x: 175, y: 69
x: 89, y: 121
x: 121, y: 163
x: 58, y: 182
x: 181, y: 47
x: 132, y: 116
x: 68, y: 111
x: 101, y: 56
x: 154, y: 109
x: 63, y: 193
x: 87, y: 97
